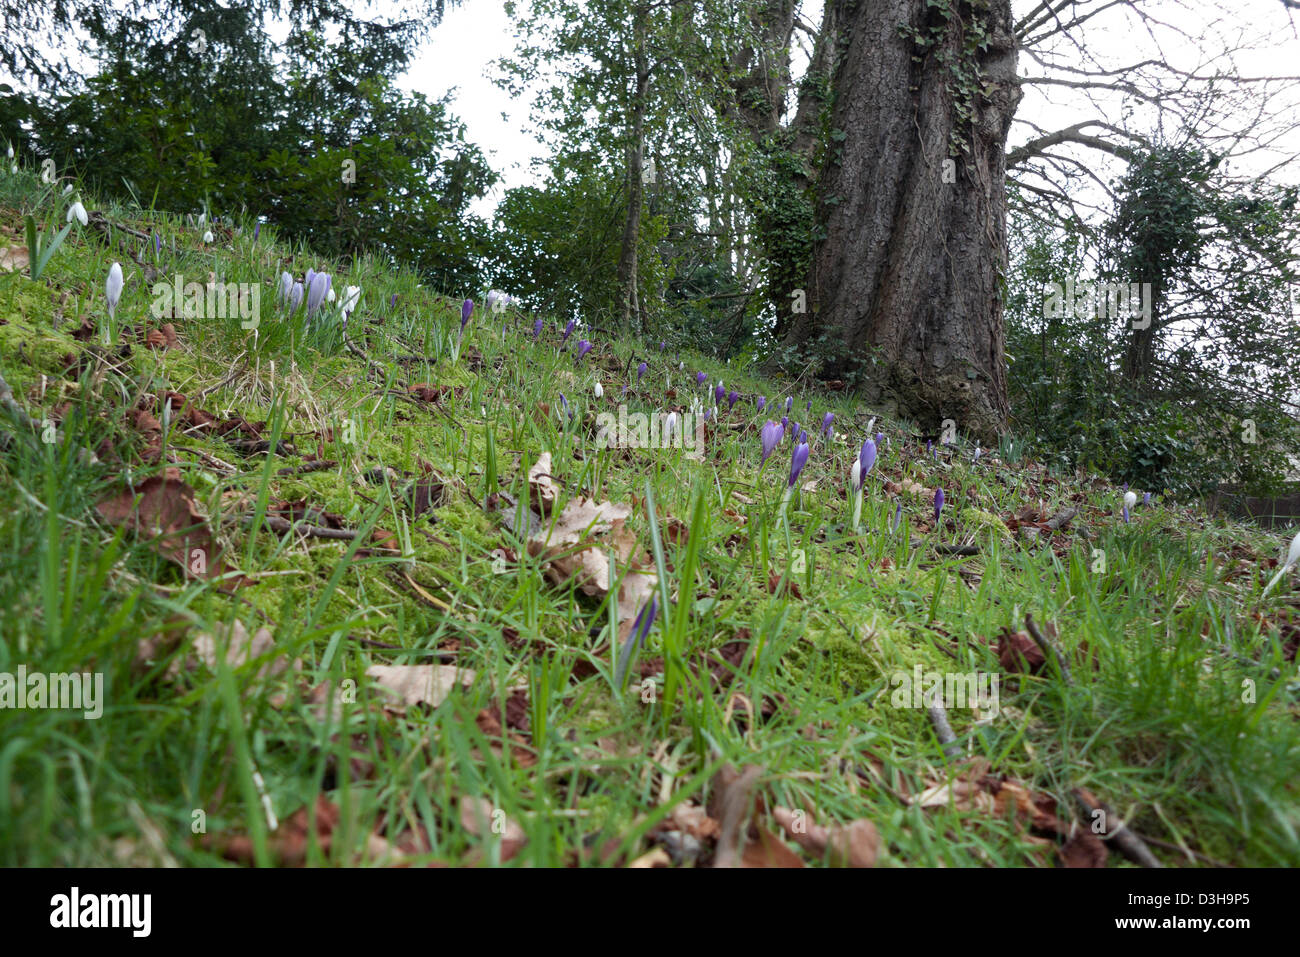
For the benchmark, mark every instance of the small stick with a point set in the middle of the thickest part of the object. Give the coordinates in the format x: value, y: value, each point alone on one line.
x: 1129, y: 844
x: 947, y: 737
x: 1049, y: 649
x: 318, y: 466
x: 1061, y: 519
x: 224, y: 382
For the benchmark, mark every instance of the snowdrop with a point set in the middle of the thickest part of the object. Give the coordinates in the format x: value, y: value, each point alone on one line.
x: 113, y: 288
x: 77, y: 211
x: 67, y: 189
x: 207, y: 236
x: 1292, y: 558
x: 598, y: 390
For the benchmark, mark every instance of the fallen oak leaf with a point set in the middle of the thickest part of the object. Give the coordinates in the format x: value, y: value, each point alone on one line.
x: 856, y: 844
x: 162, y: 509
x: 419, y: 684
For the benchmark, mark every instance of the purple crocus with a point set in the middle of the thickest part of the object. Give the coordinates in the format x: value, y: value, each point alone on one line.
x: 897, y: 519
x: 583, y: 347
x: 257, y: 230
x: 770, y: 436
x: 645, y: 620
x: 798, y: 461
x: 827, y: 419
x: 809, y: 409
x: 761, y: 404
x: 785, y: 424
x: 663, y: 346
x: 286, y: 287
x: 537, y: 328
x: 732, y: 396
x: 803, y: 436
x: 1146, y: 499
x: 718, y: 392
x: 789, y: 401
x: 295, y: 297
x: 392, y: 302
x: 640, y: 371
x: 466, y: 310
x: 701, y: 378
x: 157, y: 245
x: 317, y: 290
x: 880, y: 440
x: 866, y: 459
x: 938, y: 505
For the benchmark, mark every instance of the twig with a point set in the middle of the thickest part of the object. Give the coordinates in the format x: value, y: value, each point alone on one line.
x: 1061, y: 519
x: 224, y: 382
x: 947, y: 737
x: 1049, y: 649
x: 318, y: 466
x: 1129, y: 844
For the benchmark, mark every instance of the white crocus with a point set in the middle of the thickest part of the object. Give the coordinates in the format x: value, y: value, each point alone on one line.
x: 113, y: 288
x: 670, y: 426
x: 329, y: 295
x: 598, y: 389
x: 855, y: 481
x: 77, y: 211
x: 1292, y: 558
x: 351, y: 295
x: 1130, y: 499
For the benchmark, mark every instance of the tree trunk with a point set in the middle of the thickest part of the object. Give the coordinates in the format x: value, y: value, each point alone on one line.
x: 627, y: 257
x: 910, y: 266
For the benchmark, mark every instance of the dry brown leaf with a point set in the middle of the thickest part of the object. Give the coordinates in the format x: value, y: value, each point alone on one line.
x: 856, y: 844
x: 419, y: 684
x: 479, y: 817
x: 545, y: 493
x: 167, y: 515
x: 14, y: 258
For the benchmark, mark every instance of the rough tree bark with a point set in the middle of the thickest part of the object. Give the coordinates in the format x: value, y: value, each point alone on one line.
x: 909, y: 268
x: 627, y: 258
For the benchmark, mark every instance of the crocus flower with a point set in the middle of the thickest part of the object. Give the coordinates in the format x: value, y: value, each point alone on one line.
x: 867, y: 458
x: 803, y: 436
x: 645, y: 619
x: 798, y: 461
x: 732, y: 396
x: 316, y: 292
x: 663, y: 346
x: 701, y: 378
x: 583, y: 347
x: 351, y: 295
x: 670, y: 425
x: 809, y: 409
x: 761, y: 404
x: 295, y: 297
x: 157, y: 245
x: 938, y: 505
x: 1130, y: 499
x: 207, y: 236
x: 770, y: 436
x: 77, y: 211
x: 827, y: 419
x: 598, y: 390
x: 306, y: 281
x: 466, y: 310
x: 286, y: 287
x: 1292, y: 557
x: 897, y: 519
x: 537, y: 328
x: 718, y: 392
x: 880, y: 440
x: 113, y: 288
x: 257, y: 230
x: 568, y: 329
x: 640, y: 371
x: 976, y: 457
x: 392, y: 302
x: 789, y: 401
x: 1146, y: 499
x: 708, y: 413
x: 785, y: 424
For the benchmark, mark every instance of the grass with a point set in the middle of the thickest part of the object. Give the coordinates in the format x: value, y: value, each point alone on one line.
x: 1181, y: 712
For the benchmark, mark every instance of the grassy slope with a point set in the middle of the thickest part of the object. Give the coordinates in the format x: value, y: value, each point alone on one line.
x: 1157, y: 728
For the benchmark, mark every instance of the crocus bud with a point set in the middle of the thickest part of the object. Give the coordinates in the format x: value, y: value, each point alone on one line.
x: 897, y: 519
x: 827, y: 420
x: 770, y: 436
x: 537, y: 328
x: 701, y: 378
x: 789, y: 401
x: 867, y: 458
x: 317, y: 291
x: 670, y: 425
x: 855, y: 475
x: 718, y: 392
x: 785, y: 424
x: 583, y: 347
x: 351, y: 296
x: 466, y: 310
x: 295, y: 297
x: 1292, y: 558
x: 640, y: 371
x: 1146, y: 499
x: 938, y: 505
x: 113, y: 288
x: 663, y: 346
x: 392, y: 302
x: 798, y: 461
x: 761, y: 404
x: 598, y: 390
x: 880, y: 440
x: 286, y: 286
x: 732, y: 396
x: 568, y: 329
x: 257, y: 230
